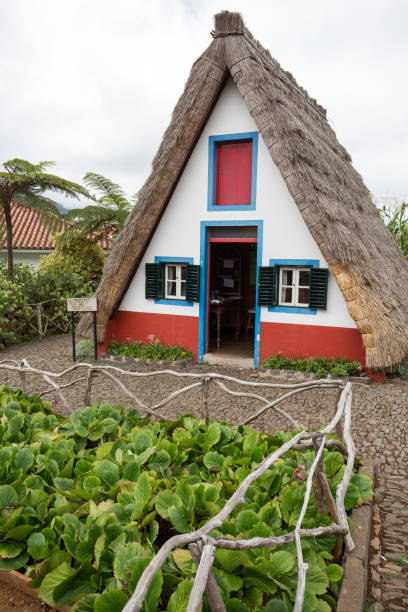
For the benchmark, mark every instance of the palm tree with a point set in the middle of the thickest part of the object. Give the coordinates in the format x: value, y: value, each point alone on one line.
x: 24, y: 184
x: 107, y: 216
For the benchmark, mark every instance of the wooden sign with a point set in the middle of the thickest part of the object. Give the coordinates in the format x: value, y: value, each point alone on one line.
x: 83, y: 304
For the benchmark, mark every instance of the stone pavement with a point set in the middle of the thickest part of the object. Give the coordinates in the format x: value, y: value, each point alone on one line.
x: 380, y: 432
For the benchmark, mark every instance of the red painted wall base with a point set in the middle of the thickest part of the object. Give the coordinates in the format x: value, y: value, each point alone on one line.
x: 311, y: 341
x: 293, y: 340
x: 169, y: 329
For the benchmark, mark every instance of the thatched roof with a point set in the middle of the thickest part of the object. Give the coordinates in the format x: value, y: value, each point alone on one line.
x: 369, y: 268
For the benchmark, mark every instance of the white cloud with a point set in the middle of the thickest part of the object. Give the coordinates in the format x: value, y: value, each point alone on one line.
x: 92, y: 83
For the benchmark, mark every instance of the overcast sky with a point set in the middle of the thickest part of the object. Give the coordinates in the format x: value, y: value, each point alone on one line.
x: 91, y: 84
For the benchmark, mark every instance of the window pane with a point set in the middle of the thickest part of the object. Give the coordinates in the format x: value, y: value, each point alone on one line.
x: 183, y: 288
x: 286, y: 295
x: 287, y: 276
x: 171, y: 272
x: 171, y: 288
x: 183, y: 272
x: 303, y: 296
x: 304, y: 278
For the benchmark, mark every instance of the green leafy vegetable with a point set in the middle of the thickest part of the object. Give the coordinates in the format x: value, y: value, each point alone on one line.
x: 86, y: 501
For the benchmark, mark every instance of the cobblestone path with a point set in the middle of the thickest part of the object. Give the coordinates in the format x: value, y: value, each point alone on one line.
x: 380, y: 431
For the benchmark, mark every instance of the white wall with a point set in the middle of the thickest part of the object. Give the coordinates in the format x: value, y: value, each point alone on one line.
x: 31, y: 258
x: 285, y: 235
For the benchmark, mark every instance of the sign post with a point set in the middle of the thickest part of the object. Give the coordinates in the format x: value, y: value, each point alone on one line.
x: 84, y: 304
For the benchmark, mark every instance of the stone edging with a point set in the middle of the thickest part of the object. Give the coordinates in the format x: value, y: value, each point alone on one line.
x: 299, y: 376
x: 353, y: 590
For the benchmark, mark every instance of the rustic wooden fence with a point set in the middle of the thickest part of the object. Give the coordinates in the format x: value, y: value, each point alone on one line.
x: 41, y: 319
x: 201, y: 545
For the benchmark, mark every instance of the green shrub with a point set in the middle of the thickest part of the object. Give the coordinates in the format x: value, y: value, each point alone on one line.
x: 86, y: 501
x: 149, y: 350
x: 22, y: 272
x: 320, y: 366
x: 30, y: 286
x: 56, y: 286
x: 12, y: 313
x: 77, y: 253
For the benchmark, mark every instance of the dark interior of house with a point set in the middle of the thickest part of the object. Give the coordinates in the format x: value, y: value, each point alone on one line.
x: 232, y: 294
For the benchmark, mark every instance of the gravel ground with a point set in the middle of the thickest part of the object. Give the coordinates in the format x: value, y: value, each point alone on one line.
x: 380, y: 432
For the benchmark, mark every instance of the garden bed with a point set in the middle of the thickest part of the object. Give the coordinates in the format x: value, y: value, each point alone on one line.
x: 156, y: 480
x: 15, y: 592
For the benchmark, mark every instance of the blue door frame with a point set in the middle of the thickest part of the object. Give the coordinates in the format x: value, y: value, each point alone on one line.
x: 202, y: 338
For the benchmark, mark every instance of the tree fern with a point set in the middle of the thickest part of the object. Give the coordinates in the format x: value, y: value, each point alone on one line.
x: 107, y: 216
x: 24, y: 184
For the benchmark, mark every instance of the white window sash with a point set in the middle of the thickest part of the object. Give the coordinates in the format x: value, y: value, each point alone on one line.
x: 177, y: 281
x: 294, y: 286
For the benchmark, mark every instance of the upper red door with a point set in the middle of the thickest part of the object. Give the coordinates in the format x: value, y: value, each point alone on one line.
x: 233, y: 173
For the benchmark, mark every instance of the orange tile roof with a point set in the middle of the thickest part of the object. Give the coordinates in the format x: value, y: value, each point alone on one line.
x: 29, y: 231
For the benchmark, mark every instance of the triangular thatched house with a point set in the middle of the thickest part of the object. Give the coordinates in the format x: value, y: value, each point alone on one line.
x: 254, y: 227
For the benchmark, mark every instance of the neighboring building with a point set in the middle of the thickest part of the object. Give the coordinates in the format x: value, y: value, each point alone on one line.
x: 31, y: 238
x: 254, y: 223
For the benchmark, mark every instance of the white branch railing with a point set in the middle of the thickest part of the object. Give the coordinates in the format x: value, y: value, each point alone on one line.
x: 201, y: 545
x: 22, y: 368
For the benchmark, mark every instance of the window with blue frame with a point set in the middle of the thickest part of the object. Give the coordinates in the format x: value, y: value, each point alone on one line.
x: 297, y: 286
x: 173, y: 281
x: 232, y: 171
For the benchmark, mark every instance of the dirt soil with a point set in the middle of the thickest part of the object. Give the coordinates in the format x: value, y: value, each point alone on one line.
x: 14, y: 600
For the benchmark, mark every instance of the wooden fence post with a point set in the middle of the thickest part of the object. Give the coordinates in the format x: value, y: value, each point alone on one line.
x: 215, y: 601
x: 87, y: 397
x: 325, y: 488
x: 204, y: 398
x: 39, y: 320
x: 23, y: 377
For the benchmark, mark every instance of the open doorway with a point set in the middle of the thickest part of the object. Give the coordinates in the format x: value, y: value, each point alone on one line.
x: 232, y: 297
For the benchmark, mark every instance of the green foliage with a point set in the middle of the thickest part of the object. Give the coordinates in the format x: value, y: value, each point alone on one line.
x: 398, y: 370
x: 149, y: 350
x: 86, y: 500
x: 320, y: 366
x: 395, y: 217
x: 11, y: 298
x: 108, y: 215
x: 24, y: 184
x: 30, y: 286
x: 85, y: 348
x: 77, y: 253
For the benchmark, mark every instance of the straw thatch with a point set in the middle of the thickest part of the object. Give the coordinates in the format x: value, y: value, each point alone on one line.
x: 369, y: 268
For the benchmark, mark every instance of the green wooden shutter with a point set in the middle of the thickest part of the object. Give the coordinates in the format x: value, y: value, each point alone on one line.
x: 318, y: 288
x: 154, y: 281
x: 193, y: 283
x: 268, y: 285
